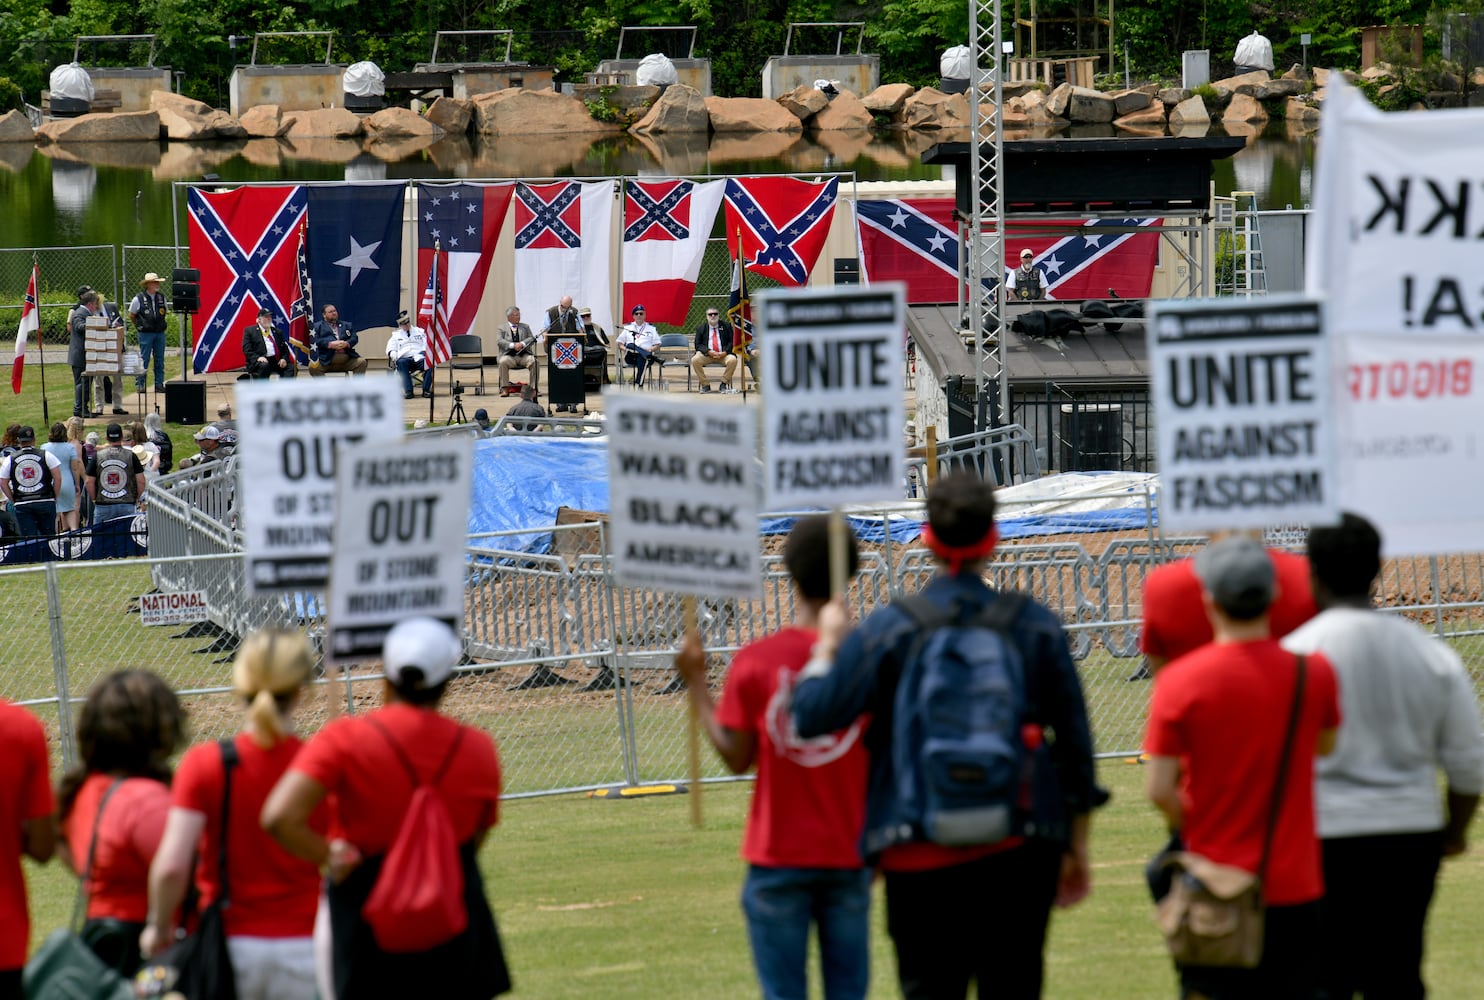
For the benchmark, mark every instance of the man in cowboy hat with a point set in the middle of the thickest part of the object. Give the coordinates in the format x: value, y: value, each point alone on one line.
x: 147, y: 313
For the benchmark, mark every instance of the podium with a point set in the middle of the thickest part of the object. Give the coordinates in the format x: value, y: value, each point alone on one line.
x: 565, y: 384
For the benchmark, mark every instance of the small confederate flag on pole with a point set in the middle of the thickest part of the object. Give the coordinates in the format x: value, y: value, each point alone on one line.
x: 433, y: 318
x: 30, y: 321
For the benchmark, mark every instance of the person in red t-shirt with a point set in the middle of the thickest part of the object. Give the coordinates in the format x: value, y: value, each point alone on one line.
x: 1217, y: 723
x: 273, y: 896
x: 362, y: 764
x: 118, y: 796
x: 1175, y: 622
x: 26, y: 827
x: 803, y: 830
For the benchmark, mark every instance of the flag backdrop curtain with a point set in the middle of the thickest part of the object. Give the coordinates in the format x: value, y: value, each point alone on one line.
x: 563, y: 234
x: 666, y: 226
x: 784, y: 222
x: 355, y: 250
x: 462, y: 222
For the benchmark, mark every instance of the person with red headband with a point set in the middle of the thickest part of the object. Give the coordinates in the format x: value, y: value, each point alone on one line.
x: 963, y: 913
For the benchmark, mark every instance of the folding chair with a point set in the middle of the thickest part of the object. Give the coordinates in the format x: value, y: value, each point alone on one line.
x: 674, y: 349
x: 466, y: 354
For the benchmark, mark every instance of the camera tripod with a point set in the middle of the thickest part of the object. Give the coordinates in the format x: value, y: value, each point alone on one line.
x: 456, y: 415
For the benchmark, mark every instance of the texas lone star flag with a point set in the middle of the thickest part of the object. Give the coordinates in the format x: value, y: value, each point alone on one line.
x: 30, y: 320
x: 784, y: 222
x: 666, y: 225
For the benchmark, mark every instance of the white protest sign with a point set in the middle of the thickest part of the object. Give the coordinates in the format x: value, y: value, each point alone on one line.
x: 288, y: 433
x: 1397, y: 252
x: 833, y: 414
x: 1242, y: 413
x: 401, y: 532
x: 682, y: 495
x: 180, y: 607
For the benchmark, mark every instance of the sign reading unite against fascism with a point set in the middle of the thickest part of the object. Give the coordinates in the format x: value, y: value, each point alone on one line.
x: 401, y: 532
x: 833, y: 414
x: 1398, y: 252
x: 682, y: 495
x: 290, y: 431
x: 1242, y: 413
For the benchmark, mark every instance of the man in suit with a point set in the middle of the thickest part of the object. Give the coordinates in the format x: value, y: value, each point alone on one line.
x: 335, y: 346
x: 714, y: 347
x: 266, y: 349
x: 516, y: 345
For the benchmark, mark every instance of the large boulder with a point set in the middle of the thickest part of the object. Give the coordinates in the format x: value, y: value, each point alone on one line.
x: 16, y: 127
x: 1090, y: 106
x: 1040, y: 116
x: 1057, y: 100
x: 679, y: 109
x: 1126, y: 102
x: 1321, y: 77
x: 1171, y: 96
x: 124, y: 126
x: 186, y: 120
x: 888, y: 98
x: 844, y: 113
x: 1283, y: 87
x: 265, y: 121
x: 1299, y: 110
x: 1145, y: 118
x: 1245, y: 108
x: 804, y: 102
x: 451, y: 114
x: 160, y: 100
x: 1245, y: 83
x: 515, y: 111
x: 930, y: 108
x: 1191, y: 111
x: 325, y: 123
x: 398, y: 122
x: 750, y: 114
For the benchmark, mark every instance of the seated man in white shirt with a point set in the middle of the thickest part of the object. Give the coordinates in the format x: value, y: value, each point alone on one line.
x: 407, y: 348
x: 639, y: 340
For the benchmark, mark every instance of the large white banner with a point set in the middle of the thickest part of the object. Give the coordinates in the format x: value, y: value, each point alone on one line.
x: 289, y: 431
x: 1242, y: 419
x: 833, y: 413
x: 1398, y: 254
x: 682, y: 495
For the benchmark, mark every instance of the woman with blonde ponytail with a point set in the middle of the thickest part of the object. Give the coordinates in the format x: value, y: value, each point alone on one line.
x: 273, y: 895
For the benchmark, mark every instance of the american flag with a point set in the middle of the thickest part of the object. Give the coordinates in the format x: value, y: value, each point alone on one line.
x: 301, y: 313
x: 432, y: 316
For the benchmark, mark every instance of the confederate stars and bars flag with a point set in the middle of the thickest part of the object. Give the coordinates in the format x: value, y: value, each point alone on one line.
x: 784, y: 223
x: 245, y: 243
x: 916, y: 240
x: 666, y: 226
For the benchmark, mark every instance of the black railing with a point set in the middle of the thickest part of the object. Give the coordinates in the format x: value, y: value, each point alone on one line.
x: 1084, y: 430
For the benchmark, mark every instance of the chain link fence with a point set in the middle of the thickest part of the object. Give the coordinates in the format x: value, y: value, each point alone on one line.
x: 570, y: 673
x: 62, y: 271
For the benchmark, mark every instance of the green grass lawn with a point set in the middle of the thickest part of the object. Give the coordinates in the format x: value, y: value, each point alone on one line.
x: 623, y: 899
x: 26, y: 408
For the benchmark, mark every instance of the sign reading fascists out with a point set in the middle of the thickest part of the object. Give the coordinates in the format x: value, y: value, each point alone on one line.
x: 177, y: 608
x: 289, y: 431
x: 682, y: 492
x: 1242, y: 414
x: 401, y: 531
x: 833, y: 415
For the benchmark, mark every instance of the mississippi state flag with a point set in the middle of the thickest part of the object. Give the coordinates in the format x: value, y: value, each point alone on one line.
x: 245, y: 243
x: 666, y: 224
x: 916, y: 240
x: 563, y: 239
x: 784, y: 222
x: 30, y: 320
x: 463, y: 222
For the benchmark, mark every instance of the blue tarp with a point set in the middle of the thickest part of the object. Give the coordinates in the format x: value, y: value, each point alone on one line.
x: 519, y: 482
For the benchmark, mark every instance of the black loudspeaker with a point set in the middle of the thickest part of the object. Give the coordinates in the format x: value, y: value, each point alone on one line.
x: 185, y: 290
x: 185, y: 402
x: 847, y: 271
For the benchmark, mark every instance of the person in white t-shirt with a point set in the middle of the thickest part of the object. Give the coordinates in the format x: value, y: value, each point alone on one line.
x: 639, y: 340
x: 1409, y: 711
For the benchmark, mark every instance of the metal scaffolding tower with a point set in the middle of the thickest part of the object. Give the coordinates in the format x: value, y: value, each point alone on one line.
x: 986, y: 223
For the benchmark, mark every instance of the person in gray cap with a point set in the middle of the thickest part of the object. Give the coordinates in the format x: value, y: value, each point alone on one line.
x: 31, y: 479
x: 1384, y: 826
x: 365, y: 768
x: 1234, y: 728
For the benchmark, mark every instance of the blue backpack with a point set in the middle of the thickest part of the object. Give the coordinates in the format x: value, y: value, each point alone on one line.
x: 959, y: 734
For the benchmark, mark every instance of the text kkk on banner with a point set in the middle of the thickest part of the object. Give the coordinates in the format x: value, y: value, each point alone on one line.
x: 1396, y: 249
x: 833, y: 415
x: 290, y: 431
x: 682, y: 491
x: 401, y: 534
x: 1242, y: 413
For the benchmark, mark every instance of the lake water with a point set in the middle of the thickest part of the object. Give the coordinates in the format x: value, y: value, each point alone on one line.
x: 120, y: 193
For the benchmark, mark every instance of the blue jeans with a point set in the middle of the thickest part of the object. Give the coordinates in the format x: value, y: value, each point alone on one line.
x: 36, y: 517
x: 113, y: 512
x: 151, y: 345
x: 406, y: 366
x: 781, y: 903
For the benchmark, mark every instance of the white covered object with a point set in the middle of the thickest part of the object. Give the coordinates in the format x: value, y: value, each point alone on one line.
x: 1255, y: 50
x: 955, y: 63
x: 365, y: 79
x: 655, y: 70
x: 72, y: 81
